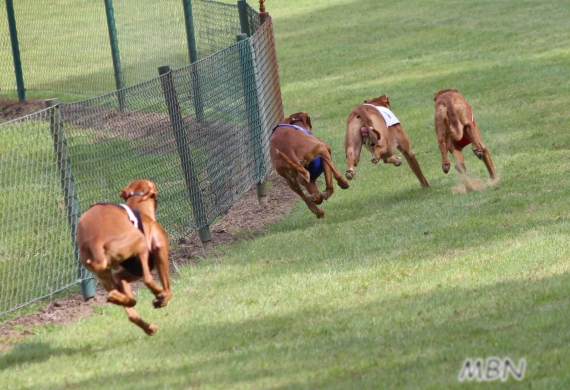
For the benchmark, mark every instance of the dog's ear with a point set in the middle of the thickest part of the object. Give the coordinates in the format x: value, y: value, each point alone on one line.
x: 379, y: 101
x: 150, y: 191
x: 125, y: 193
x: 307, y: 120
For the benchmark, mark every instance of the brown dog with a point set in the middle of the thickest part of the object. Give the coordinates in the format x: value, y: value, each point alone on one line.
x: 456, y: 128
x: 377, y: 128
x: 300, y: 158
x: 108, y: 239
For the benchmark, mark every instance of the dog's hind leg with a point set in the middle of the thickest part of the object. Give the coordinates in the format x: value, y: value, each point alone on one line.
x: 443, y: 139
x: 314, y: 195
x: 352, y: 159
x: 123, y: 280
x: 331, y: 170
x: 95, y: 260
x: 149, y: 329
x: 410, y: 156
x: 299, y: 191
x: 479, y: 148
x: 459, y: 161
x: 415, y: 166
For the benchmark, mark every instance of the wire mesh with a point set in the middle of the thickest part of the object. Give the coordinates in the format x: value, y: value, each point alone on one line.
x: 268, y: 90
x: 199, y: 132
x: 215, y: 25
x: 7, y: 79
x: 64, y: 44
x: 36, y: 251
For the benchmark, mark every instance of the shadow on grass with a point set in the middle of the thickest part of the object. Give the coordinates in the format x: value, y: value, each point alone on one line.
x: 33, y: 352
x: 417, y: 341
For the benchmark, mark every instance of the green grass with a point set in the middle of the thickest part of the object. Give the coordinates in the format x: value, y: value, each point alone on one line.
x: 396, y: 286
x: 65, y: 47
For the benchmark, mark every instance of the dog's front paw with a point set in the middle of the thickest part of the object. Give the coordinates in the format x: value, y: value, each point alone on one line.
x: 151, y: 329
x: 445, y: 168
x: 158, y: 303
x: 343, y: 184
x: 398, y: 161
x: 161, y: 300
x: 320, y: 213
x: 325, y: 195
x: 316, y: 199
x: 478, y: 153
x: 350, y: 174
x: 374, y: 159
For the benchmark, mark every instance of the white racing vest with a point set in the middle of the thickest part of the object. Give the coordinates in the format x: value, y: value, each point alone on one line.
x: 388, y: 115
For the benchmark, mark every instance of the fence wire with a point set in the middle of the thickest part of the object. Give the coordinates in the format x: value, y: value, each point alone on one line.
x: 199, y: 132
x: 7, y: 78
x: 36, y: 251
x: 64, y: 44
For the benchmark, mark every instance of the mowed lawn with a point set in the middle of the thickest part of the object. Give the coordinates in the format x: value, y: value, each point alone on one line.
x: 397, y: 285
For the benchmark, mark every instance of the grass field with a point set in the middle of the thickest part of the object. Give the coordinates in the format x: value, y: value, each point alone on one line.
x: 397, y: 286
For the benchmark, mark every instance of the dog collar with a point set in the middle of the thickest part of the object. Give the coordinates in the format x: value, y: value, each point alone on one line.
x: 294, y: 126
x: 133, y: 193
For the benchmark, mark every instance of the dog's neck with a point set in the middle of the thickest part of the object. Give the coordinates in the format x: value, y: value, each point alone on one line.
x: 299, y: 123
x: 147, y: 207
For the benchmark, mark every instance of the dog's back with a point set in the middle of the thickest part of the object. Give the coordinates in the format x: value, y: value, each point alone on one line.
x: 292, y: 149
x: 97, y: 238
x: 452, y: 113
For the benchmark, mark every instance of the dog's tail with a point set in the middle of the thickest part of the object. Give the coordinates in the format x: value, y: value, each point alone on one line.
x: 453, y: 125
x: 296, y: 166
x: 365, y: 121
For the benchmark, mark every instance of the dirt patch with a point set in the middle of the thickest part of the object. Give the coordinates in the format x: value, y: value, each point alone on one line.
x: 13, y: 109
x: 469, y: 184
x: 242, y: 221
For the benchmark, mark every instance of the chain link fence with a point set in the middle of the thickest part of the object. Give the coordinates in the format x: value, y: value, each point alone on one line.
x: 65, y: 44
x: 7, y: 79
x: 199, y: 132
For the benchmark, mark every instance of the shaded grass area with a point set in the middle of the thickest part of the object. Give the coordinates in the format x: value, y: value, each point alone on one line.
x: 396, y: 286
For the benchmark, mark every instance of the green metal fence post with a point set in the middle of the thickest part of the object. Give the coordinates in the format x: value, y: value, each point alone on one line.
x: 15, y: 50
x: 243, y: 18
x: 188, y: 167
x: 252, y: 107
x: 67, y: 183
x: 191, y: 38
x: 119, y: 82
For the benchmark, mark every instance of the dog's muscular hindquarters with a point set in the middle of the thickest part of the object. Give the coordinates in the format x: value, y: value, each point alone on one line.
x: 456, y: 128
x: 375, y: 127
x: 294, y: 152
x: 107, y: 238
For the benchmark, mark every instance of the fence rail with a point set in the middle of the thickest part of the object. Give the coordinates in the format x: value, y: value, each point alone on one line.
x: 199, y: 132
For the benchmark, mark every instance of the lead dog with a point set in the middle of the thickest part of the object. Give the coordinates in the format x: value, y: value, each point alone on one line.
x: 456, y: 128
x: 129, y: 241
x: 375, y: 127
x: 300, y: 158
